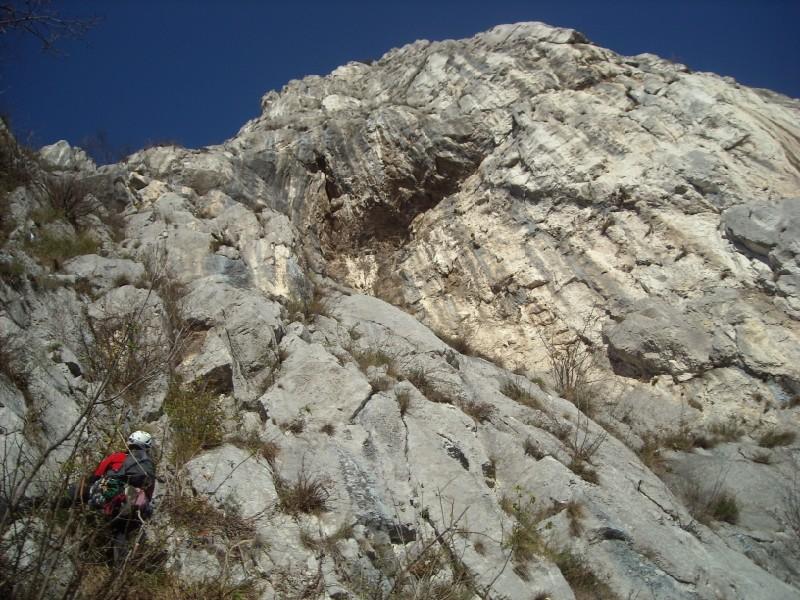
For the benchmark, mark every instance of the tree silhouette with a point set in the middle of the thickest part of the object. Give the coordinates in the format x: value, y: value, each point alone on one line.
x: 39, y: 19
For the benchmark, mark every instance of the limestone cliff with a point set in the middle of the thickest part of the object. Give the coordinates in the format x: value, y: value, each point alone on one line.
x: 518, y: 314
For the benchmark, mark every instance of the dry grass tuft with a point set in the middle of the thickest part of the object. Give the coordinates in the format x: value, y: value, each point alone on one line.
x: 479, y: 411
x: 309, y: 494
x: 519, y: 394
x: 774, y: 438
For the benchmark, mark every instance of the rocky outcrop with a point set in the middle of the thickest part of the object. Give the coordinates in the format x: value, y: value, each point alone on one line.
x: 361, y: 313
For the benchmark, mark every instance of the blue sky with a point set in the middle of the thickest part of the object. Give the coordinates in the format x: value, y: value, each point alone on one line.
x: 194, y: 71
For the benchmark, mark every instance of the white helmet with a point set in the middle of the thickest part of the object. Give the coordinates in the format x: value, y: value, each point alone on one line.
x: 140, y: 438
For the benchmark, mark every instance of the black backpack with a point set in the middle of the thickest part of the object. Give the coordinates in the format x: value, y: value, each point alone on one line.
x: 138, y: 469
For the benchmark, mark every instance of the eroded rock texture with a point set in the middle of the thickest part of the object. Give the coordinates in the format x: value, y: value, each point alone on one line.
x: 520, y: 193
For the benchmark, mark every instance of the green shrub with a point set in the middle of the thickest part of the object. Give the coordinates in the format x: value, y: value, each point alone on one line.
x: 195, y: 417
x: 13, y: 273
x: 724, y: 508
x: 524, y: 541
x: 52, y: 247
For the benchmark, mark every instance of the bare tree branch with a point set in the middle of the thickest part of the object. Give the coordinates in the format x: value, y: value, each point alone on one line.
x: 40, y: 20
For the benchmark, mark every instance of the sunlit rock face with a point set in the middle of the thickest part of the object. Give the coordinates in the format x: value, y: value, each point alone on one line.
x: 382, y: 275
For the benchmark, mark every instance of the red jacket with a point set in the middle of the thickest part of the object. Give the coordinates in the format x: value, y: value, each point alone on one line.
x: 112, y: 461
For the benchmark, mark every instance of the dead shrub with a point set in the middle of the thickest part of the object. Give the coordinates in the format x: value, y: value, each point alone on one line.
x: 70, y: 197
x: 196, y: 514
x: 572, y: 363
x: 581, y: 578
x: 583, y: 470
x: 269, y: 450
x: 328, y: 429
x: 575, y: 515
x: 479, y: 411
x: 421, y: 379
x: 774, y: 438
x: 121, y: 348
x: 296, y: 426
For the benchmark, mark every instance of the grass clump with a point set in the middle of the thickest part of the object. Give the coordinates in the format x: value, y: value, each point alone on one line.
x: 197, y: 515
x: 195, y: 416
x: 420, y: 379
x: 51, y: 247
x: 307, y: 308
x: 725, y: 508
x: 584, y: 582
x: 575, y: 514
x: 372, y: 357
x: 584, y: 470
x: 726, y: 431
x: 708, y: 503
x: 774, y: 438
x: 519, y: 394
x: 479, y: 411
x: 309, y: 494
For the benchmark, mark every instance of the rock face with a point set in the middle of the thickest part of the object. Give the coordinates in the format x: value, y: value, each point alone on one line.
x: 355, y: 275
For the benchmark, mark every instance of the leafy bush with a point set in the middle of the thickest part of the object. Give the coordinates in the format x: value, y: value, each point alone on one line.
x: 195, y: 416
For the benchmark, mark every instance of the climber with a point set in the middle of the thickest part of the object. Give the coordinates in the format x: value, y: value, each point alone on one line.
x: 133, y: 468
x: 122, y: 487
